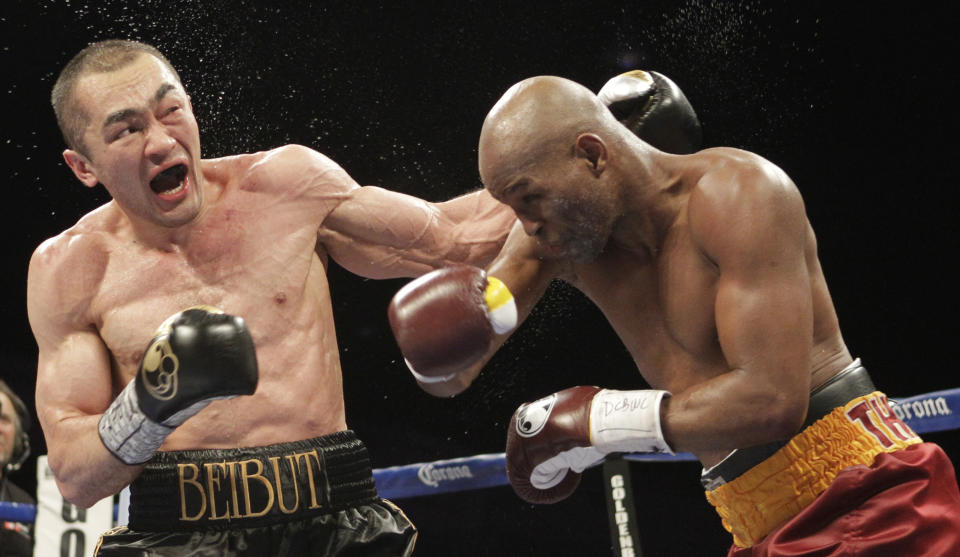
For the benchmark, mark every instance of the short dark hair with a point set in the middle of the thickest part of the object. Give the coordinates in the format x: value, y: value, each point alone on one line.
x: 99, y: 57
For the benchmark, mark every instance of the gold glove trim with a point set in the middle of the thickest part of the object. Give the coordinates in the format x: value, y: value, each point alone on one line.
x: 639, y: 74
x: 778, y: 488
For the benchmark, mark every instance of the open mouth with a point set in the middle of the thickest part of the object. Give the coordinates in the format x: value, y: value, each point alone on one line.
x: 170, y: 180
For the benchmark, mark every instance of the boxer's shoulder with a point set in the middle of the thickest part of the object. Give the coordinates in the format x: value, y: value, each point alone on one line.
x: 85, y: 245
x: 289, y: 169
x: 738, y: 190
x: 721, y: 173
x: 64, y: 275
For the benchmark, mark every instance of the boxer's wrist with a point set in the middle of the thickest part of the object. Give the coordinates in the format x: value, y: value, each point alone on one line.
x: 127, y: 432
x: 627, y: 421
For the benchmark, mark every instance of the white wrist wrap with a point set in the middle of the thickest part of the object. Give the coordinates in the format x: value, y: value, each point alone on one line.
x: 627, y: 421
x: 129, y: 434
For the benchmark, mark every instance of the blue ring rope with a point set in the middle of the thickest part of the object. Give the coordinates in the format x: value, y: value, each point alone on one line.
x: 935, y: 411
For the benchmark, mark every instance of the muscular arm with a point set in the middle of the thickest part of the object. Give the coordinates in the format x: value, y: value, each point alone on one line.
x: 378, y: 233
x: 74, y: 385
x: 751, y: 224
x: 527, y: 276
x: 375, y: 232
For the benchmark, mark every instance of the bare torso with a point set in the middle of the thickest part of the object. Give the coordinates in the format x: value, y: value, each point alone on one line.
x: 714, y: 289
x: 664, y: 306
x: 258, y: 247
x: 252, y: 254
x: 663, y: 310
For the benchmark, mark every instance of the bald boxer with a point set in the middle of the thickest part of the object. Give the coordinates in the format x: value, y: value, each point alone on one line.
x: 185, y: 328
x: 706, y: 267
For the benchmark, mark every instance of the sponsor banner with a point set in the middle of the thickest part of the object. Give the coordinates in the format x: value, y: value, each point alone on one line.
x: 936, y: 411
x: 442, y: 476
x: 622, y: 515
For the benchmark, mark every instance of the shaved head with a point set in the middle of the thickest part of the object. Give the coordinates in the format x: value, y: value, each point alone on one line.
x: 537, y: 119
x: 544, y: 151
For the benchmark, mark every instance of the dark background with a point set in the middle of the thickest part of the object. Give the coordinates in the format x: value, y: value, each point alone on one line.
x: 856, y: 104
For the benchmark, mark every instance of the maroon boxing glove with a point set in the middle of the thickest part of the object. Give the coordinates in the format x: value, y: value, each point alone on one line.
x: 445, y: 320
x: 551, y: 441
x: 541, y: 430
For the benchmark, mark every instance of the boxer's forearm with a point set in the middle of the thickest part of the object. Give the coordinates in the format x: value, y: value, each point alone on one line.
x: 480, y: 226
x: 378, y: 233
x: 85, y: 471
x: 732, y: 410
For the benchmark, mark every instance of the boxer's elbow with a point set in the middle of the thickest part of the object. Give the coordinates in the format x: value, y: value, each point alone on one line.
x: 782, y: 419
x: 75, y: 482
x: 73, y: 495
x: 72, y: 489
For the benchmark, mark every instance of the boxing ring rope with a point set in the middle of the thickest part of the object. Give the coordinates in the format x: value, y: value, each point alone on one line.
x: 930, y: 412
x: 935, y: 411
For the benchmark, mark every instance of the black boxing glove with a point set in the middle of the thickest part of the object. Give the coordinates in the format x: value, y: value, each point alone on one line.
x: 445, y: 320
x: 198, y: 355
x: 552, y: 440
x: 655, y: 109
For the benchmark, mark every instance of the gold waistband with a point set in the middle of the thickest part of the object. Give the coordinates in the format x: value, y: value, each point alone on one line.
x: 778, y: 488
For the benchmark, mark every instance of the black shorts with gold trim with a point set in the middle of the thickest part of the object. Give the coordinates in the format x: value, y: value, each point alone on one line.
x: 310, y: 497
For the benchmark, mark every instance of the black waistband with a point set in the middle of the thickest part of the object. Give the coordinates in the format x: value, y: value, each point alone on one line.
x: 220, y: 488
x: 837, y: 391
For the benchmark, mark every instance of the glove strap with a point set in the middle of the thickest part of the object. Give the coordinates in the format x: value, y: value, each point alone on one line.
x: 552, y: 471
x: 127, y: 432
x: 627, y: 421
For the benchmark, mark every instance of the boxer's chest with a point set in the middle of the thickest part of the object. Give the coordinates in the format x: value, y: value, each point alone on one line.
x: 662, y: 308
x: 236, y: 261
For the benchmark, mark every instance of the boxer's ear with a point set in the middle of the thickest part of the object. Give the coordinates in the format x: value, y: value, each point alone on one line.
x: 82, y: 167
x: 591, y: 148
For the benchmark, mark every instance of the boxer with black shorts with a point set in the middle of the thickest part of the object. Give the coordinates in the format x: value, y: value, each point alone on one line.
x: 310, y: 497
x: 706, y: 267
x: 226, y: 260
